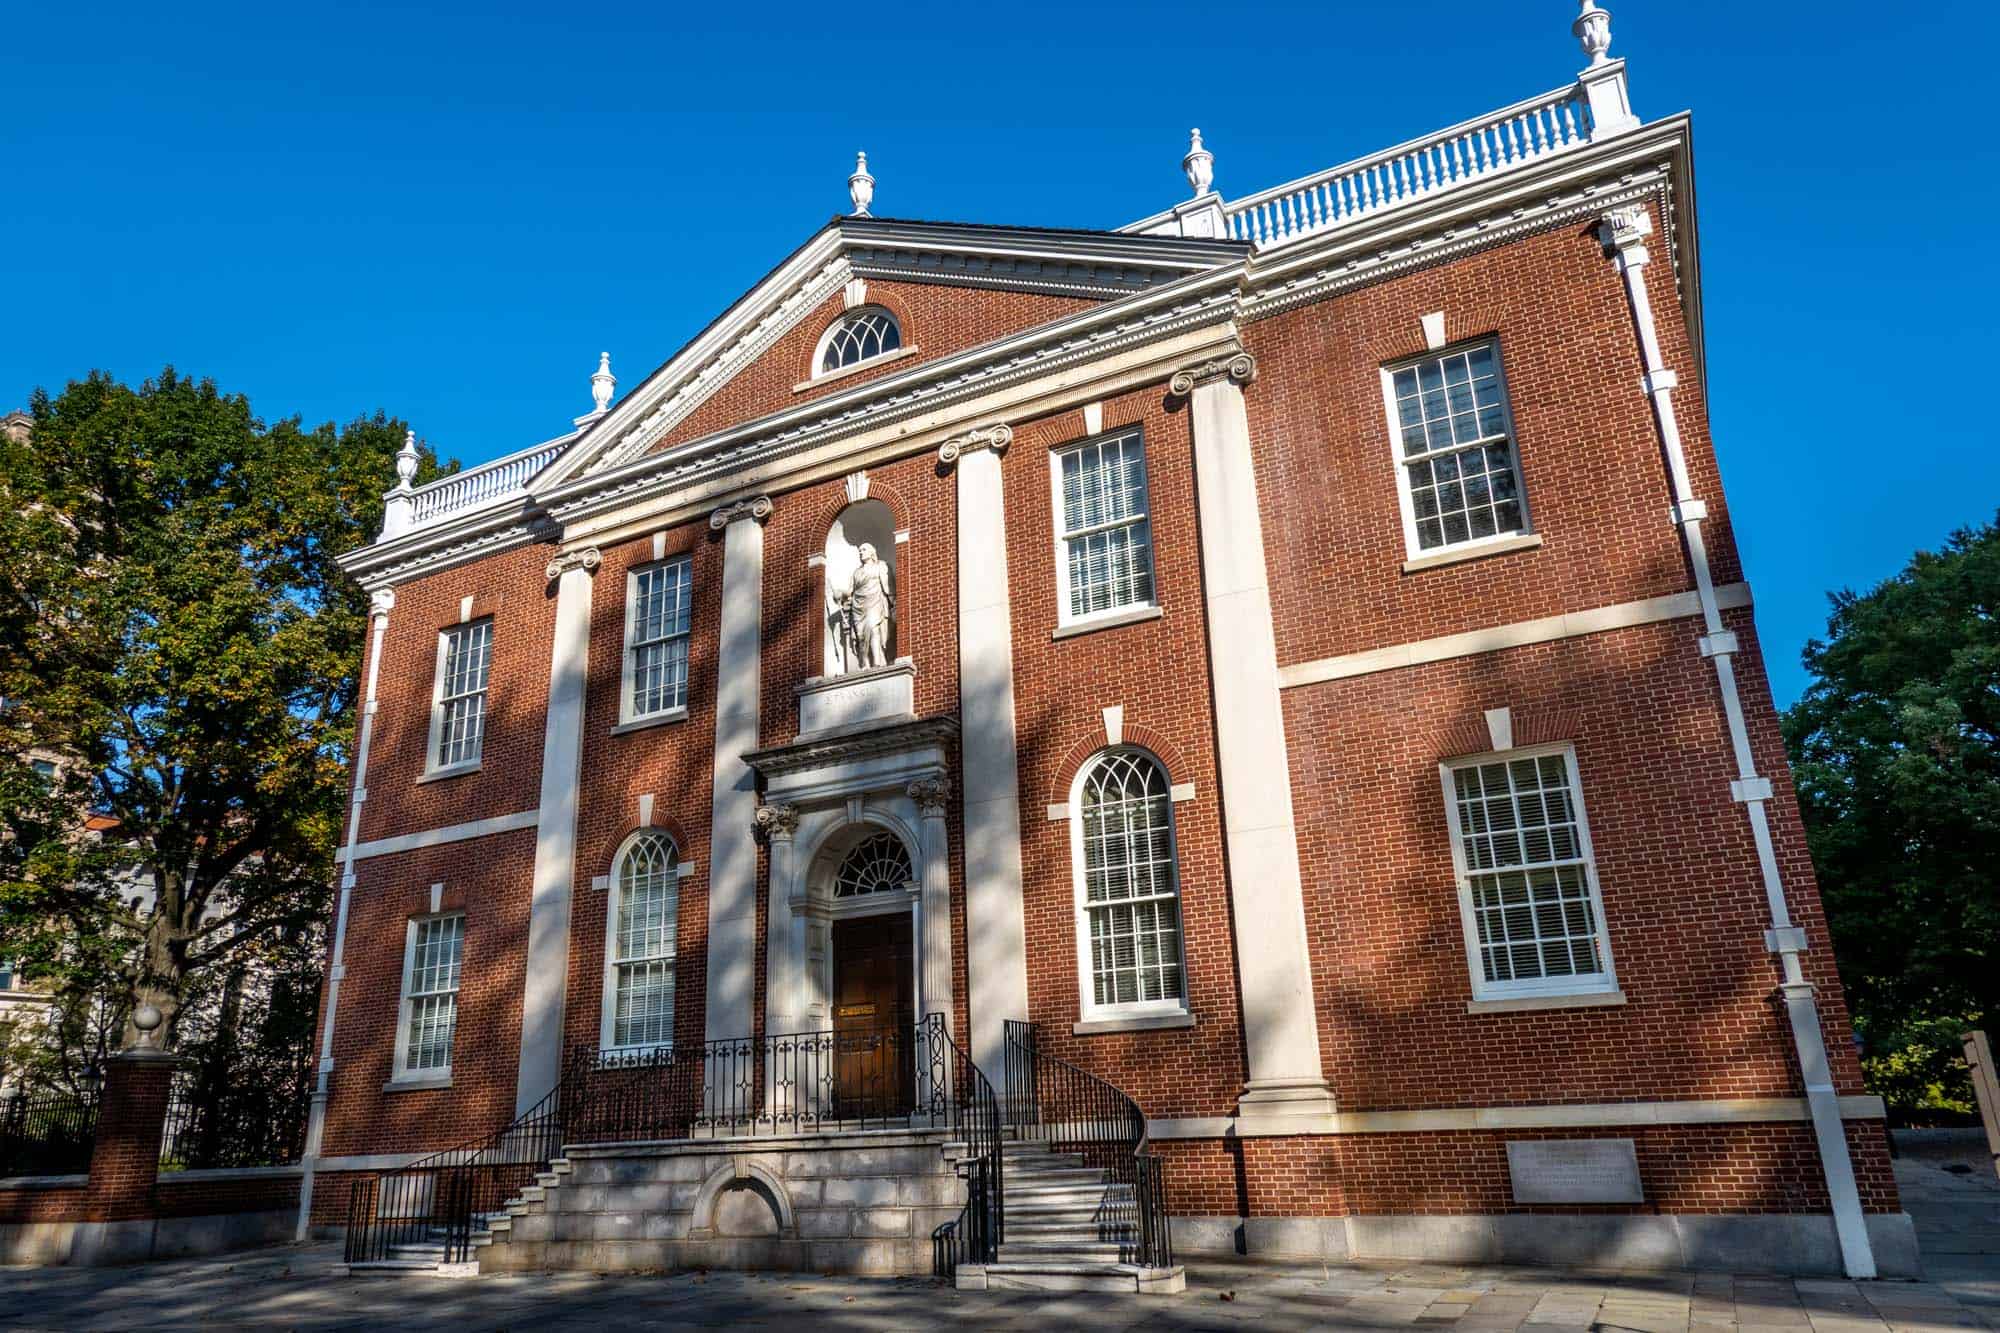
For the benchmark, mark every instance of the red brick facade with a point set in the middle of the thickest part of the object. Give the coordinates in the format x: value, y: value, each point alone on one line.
x: 1697, y: 1017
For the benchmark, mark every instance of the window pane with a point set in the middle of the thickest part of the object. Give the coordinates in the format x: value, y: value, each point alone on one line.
x: 662, y: 612
x: 645, y: 944
x: 1131, y: 888
x: 433, y: 994
x: 1462, y: 478
x: 1522, y: 840
x: 1107, y: 540
x: 468, y: 658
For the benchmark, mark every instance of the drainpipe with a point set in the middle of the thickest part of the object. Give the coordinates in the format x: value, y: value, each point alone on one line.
x: 380, y: 603
x: 1623, y: 233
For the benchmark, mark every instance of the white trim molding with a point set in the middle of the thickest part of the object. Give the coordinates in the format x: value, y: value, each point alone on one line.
x: 1520, y: 634
x: 410, y: 842
x: 1574, y: 1115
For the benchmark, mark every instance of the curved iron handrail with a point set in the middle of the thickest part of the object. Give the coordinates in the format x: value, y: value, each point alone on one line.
x: 1074, y: 1111
x: 973, y: 1236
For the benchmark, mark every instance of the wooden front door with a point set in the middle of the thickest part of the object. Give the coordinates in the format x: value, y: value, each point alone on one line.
x: 874, y: 1019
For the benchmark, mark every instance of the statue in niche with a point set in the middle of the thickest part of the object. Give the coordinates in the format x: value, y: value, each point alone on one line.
x: 863, y: 613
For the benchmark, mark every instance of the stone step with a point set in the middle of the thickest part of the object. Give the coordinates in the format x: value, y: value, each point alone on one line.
x: 1066, y: 1233
x: 1041, y: 1276
x: 1061, y: 1251
x: 1093, y: 1195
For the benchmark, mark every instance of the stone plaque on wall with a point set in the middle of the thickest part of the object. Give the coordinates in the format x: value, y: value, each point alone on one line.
x: 1574, y: 1171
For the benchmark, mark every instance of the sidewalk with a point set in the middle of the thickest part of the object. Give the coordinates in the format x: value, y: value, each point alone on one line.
x: 299, y: 1289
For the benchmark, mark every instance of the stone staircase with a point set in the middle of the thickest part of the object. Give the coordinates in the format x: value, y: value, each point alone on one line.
x: 1060, y: 1233
x: 427, y: 1255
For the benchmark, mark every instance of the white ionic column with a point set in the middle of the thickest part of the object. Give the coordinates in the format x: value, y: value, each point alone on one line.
x: 555, y: 831
x: 1281, y: 1031
x: 782, y: 967
x: 732, y: 855
x: 934, y: 900
x: 996, y: 966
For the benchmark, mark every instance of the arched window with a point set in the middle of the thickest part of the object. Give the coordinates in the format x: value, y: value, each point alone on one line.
x: 1128, y: 885
x: 862, y: 333
x: 641, y: 927
x: 879, y: 863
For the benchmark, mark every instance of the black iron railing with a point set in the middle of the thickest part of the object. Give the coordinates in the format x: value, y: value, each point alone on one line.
x: 440, y: 1199
x: 50, y: 1134
x: 1075, y: 1111
x: 238, y: 1123
x: 974, y: 1236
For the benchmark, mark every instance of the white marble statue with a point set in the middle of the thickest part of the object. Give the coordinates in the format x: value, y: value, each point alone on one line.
x: 863, y: 614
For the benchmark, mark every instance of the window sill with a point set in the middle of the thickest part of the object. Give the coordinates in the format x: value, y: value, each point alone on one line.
x: 1091, y: 1027
x: 857, y: 368
x: 1131, y: 615
x: 428, y: 1081
x: 1520, y: 541
x: 1521, y: 1004
x: 455, y: 771
x: 653, y: 720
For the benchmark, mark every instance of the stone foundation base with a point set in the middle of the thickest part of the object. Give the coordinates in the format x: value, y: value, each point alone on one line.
x: 93, y: 1244
x: 1792, y: 1244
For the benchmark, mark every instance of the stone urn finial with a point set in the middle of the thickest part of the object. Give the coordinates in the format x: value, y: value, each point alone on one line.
x: 861, y: 186
x: 1199, y: 164
x: 1593, y: 31
x: 603, y: 384
x: 406, y: 461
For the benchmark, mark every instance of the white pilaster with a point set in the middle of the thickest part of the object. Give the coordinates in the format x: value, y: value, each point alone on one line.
x: 1281, y: 1032
x: 547, y: 979
x: 996, y: 967
x: 732, y: 856
x: 934, y: 901
x: 783, y: 1007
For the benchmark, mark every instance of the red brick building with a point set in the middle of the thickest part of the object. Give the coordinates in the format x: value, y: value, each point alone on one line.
x: 1292, y: 651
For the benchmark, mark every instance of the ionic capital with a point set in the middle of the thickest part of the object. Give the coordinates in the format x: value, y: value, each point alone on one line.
x: 1239, y: 369
x: 585, y: 558
x: 757, y: 507
x: 995, y: 437
x: 1623, y: 232
x: 777, y: 822
x: 931, y: 796
x: 381, y: 602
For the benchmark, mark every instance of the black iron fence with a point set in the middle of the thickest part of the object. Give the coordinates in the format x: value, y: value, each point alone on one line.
x: 904, y: 1075
x: 48, y: 1134
x: 237, y: 1123
x: 1075, y: 1111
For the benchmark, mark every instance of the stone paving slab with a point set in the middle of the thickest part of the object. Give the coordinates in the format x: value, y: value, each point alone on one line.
x: 302, y: 1288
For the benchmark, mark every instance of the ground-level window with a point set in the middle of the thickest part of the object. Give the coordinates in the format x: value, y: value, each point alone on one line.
x: 458, y: 719
x: 1128, y: 886
x: 643, y: 920
x: 430, y: 995
x: 1457, y: 467
x: 1527, y: 880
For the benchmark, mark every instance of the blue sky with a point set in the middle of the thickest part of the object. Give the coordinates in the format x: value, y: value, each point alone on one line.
x: 448, y: 211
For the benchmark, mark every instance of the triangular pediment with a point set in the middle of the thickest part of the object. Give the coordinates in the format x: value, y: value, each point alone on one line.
x: 962, y: 284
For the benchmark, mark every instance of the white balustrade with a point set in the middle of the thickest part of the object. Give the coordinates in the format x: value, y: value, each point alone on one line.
x: 1502, y: 141
x: 483, y: 485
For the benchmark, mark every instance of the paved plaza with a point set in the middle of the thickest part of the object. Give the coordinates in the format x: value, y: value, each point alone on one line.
x: 1958, y: 1218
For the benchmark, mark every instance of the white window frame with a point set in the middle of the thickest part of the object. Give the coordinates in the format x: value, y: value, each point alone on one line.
x: 626, y: 711
x: 1601, y: 983
x: 1065, y: 616
x: 846, y: 317
x: 402, y: 1073
x: 433, y: 768
x: 1413, y: 549
x: 607, y: 1030
x: 1089, y: 1009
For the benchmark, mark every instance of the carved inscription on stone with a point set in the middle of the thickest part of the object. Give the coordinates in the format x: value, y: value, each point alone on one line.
x: 1574, y: 1171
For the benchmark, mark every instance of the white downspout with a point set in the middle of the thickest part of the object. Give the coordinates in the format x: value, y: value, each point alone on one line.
x: 1623, y: 233
x: 380, y: 603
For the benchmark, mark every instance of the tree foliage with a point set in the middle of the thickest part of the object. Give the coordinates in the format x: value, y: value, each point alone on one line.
x: 173, y: 624
x: 1896, y: 750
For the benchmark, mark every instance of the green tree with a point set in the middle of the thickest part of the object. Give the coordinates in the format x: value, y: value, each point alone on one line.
x: 172, y: 621
x: 1896, y: 750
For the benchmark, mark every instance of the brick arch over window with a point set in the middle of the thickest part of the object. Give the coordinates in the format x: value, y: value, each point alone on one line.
x: 662, y: 823
x: 906, y: 331
x: 1534, y: 724
x: 1136, y: 735
x: 832, y: 500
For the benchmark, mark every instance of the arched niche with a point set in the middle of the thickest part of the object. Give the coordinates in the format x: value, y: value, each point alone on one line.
x: 869, y: 522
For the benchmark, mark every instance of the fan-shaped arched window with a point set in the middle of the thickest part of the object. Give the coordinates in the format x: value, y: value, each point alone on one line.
x: 1128, y: 884
x: 860, y: 334
x: 639, y: 955
x: 879, y: 863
